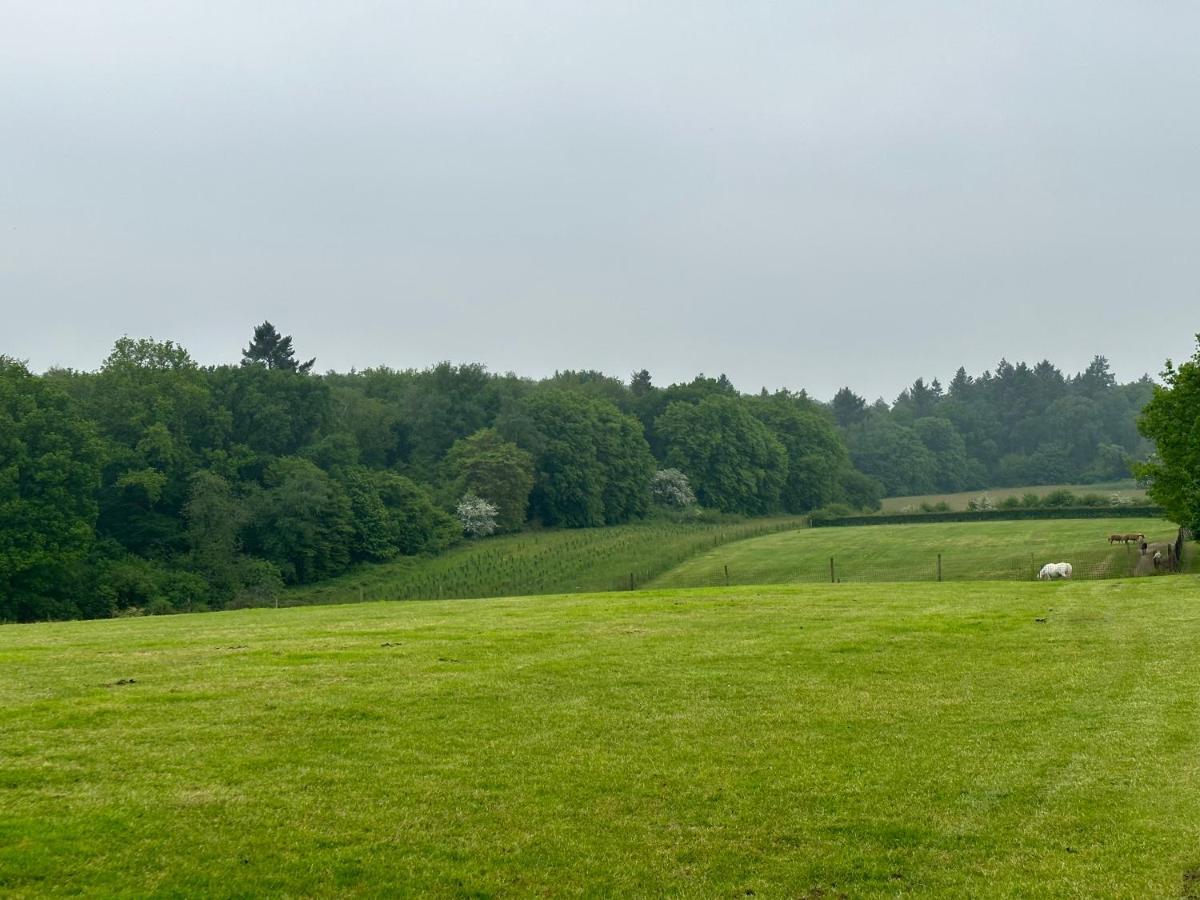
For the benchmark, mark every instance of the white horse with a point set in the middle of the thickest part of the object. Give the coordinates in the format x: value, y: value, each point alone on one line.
x: 1055, y: 570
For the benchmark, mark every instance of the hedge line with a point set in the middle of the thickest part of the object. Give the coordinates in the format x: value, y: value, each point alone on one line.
x: 987, y: 515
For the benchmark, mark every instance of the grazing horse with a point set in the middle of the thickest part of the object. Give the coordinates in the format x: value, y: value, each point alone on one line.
x: 1116, y: 538
x: 1051, y: 571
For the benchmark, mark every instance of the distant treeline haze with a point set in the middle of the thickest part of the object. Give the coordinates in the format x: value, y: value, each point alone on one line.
x: 156, y: 484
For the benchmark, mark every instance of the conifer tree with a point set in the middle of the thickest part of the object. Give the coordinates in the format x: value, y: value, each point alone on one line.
x: 271, y: 349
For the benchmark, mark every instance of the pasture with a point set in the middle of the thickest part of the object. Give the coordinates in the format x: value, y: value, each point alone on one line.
x: 1004, y: 550
x: 958, y: 501
x: 818, y: 741
x: 539, y: 562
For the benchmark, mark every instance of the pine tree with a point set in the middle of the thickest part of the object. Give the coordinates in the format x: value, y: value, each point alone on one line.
x: 271, y: 349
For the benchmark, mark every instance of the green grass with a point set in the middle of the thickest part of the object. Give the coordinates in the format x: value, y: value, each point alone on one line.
x: 952, y: 740
x: 970, y: 550
x: 958, y: 501
x: 538, y: 562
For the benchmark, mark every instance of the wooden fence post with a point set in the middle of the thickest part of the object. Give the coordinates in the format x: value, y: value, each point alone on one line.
x: 727, y: 575
x: 832, y: 580
x: 939, y: 567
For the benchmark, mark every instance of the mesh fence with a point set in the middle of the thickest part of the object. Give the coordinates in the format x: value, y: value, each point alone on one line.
x: 861, y: 565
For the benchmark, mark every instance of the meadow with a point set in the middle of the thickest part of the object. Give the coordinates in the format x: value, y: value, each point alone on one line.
x: 1127, y: 490
x: 816, y: 741
x: 1003, y: 550
x: 540, y: 562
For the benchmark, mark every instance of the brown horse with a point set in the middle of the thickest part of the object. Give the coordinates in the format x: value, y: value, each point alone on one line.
x: 1126, y: 538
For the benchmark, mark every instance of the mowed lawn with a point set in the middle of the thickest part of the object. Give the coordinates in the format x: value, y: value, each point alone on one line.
x: 812, y: 741
x: 1007, y: 550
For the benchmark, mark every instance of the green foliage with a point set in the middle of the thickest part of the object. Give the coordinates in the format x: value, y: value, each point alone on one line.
x: 374, y: 534
x: 485, y: 465
x: 1172, y: 420
x: 1060, y: 498
x: 733, y: 461
x: 49, y: 473
x: 893, y: 454
x: 241, y: 475
x: 268, y: 412
x: 303, y: 521
x: 862, y: 492
x: 816, y: 453
x: 414, y: 523
x: 593, y: 464
x: 134, y: 583
x: 1017, y: 425
x: 988, y: 515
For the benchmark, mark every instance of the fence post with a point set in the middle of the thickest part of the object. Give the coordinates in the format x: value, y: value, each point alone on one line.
x: 832, y: 580
x: 726, y: 575
x: 631, y: 581
x: 939, y: 567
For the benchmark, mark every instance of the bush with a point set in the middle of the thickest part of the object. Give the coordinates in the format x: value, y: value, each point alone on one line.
x: 1031, y: 501
x: 1061, y: 497
x: 989, y: 515
x: 832, y: 511
x: 1011, y: 502
x: 478, y: 516
x: 670, y: 487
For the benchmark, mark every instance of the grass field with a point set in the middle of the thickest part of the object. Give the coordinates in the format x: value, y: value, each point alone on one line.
x: 816, y: 741
x: 970, y: 551
x: 957, y: 502
x: 538, y: 562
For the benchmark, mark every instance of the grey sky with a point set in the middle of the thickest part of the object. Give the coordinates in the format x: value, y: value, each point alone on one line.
x: 798, y: 194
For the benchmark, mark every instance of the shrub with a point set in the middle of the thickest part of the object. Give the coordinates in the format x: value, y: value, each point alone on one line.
x: 478, y: 516
x: 832, y: 511
x: 669, y: 487
x: 1011, y: 502
x: 1061, y: 497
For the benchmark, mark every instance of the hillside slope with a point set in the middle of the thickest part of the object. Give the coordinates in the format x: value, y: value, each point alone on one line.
x: 539, y: 562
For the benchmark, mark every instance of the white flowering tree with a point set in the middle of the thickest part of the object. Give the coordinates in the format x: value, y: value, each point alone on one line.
x: 670, y: 487
x: 478, y: 516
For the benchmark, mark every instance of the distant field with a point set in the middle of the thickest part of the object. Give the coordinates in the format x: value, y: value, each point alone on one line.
x: 953, y: 740
x: 970, y: 551
x: 538, y: 562
x: 959, y: 501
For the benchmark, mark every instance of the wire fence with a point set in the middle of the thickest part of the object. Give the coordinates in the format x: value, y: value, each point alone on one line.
x: 862, y: 566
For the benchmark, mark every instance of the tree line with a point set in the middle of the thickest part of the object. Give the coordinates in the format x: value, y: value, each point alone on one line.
x: 1019, y: 425
x: 156, y: 484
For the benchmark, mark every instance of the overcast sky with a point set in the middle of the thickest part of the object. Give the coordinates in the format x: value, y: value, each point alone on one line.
x: 796, y: 194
